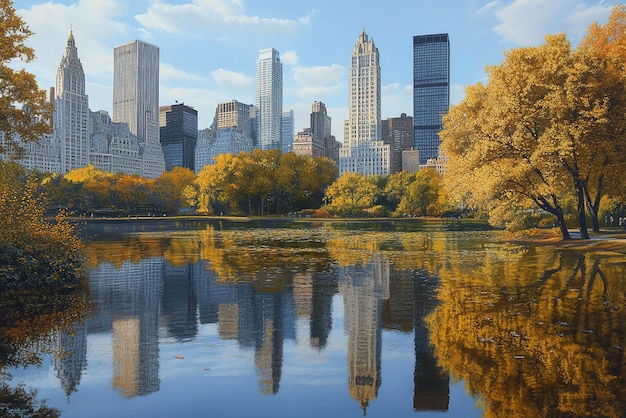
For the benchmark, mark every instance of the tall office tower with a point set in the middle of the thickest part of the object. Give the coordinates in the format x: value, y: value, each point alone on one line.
x: 269, y: 99
x: 72, y: 110
x: 431, y: 91
x: 363, y: 150
x: 398, y: 132
x: 287, y: 131
x: 136, y: 100
x: 320, y: 123
x: 179, y: 134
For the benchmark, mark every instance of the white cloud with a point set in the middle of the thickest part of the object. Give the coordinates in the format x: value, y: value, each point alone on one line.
x: 527, y: 22
x: 289, y: 57
x: 93, y: 23
x: 232, y: 80
x: 216, y: 16
x: 168, y: 71
x: 319, y: 82
x: 396, y: 100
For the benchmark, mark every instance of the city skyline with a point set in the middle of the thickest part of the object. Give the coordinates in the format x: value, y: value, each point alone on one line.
x: 208, y: 49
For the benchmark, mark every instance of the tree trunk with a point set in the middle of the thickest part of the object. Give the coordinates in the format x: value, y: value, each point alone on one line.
x: 582, y: 213
x: 594, y: 206
x: 565, y: 236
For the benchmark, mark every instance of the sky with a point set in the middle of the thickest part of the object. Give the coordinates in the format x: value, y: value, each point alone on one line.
x: 209, y: 48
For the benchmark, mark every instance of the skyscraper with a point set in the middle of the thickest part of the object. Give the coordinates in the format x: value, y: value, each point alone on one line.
x: 431, y: 91
x: 71, y: 110
x: 178, y: 133
x: 363, y: 150
x: 269, y: 99
x: 287, y: 131
x: 136, y: 99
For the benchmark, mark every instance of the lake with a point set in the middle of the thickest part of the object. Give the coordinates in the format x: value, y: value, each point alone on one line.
x: 280, y: 318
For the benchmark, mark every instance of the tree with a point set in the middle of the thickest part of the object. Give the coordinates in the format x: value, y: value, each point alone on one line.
x: 351, y: 194
x: 608, y: 42
x: 397, y: 185
x: 167, y: 190
x: 97, y: 185
x: 24, y: 109
x: 423, y: 196
x: 541, y: 127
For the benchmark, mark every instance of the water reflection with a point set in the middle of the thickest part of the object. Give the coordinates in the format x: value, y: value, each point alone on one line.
x: 529, y: 331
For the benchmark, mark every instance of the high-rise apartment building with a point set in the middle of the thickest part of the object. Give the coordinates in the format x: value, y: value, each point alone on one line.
x: 136, y: 99
x: 71, y: 121
x: 269, y: 99
x: 178, y: 134
x: 431, y: 91
x: 363, y: 150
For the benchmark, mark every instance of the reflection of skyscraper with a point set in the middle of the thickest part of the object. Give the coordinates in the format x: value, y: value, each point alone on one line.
x: 179, y: 302
x: 364, y: 288
x: 398, y: 309
x: 432, y: 390
x: 324, y: 288
x: 71, y: 356
x: 132, y: 292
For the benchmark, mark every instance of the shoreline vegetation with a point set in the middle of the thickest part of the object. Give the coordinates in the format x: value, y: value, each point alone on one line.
x: 609, y: 238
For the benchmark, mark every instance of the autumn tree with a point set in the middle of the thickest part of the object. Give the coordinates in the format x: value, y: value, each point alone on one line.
x: 97, y: 185
x: 351, y: 194
x: 538, y: 129
x: 608, y: 42
x: 24, y: 109
x: 424, y: 195
x: 166, y: 194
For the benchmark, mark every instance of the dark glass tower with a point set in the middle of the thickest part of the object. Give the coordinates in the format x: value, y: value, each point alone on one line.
x: 179, y: 133
x: 431, y: 91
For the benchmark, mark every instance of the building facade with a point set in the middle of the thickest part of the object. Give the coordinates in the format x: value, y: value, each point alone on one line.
x: 269, y: 99
x: 233, y: 131
x: 363, y: 150
x: 431, y: 91
x: 288, y: 130
x: 136, y: 100
x: 178, y: 133
x: 71, y: 116
x: 398, y: 133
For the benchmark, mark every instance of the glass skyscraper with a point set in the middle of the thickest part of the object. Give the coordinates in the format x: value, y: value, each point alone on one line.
x: 269, y: 99
x: 431, y: 91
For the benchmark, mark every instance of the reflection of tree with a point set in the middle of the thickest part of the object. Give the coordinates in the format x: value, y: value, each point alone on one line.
x: 29, y: 323
x: 268, y: 258
x: 535, y: 332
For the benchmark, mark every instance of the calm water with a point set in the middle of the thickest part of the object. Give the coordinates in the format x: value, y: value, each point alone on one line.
x: 325, y: 320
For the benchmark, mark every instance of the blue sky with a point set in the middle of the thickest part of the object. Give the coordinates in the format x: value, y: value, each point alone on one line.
x: 208, y: 48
